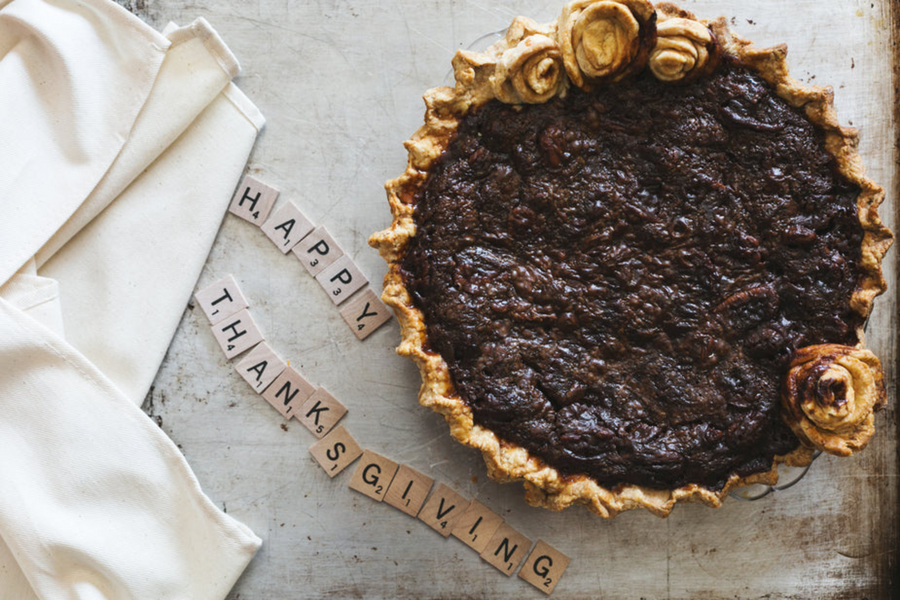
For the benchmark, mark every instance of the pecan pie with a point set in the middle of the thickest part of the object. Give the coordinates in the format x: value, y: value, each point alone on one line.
x: 633, y: 260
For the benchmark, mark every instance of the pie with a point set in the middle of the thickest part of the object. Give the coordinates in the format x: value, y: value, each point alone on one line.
x: 633, y: 260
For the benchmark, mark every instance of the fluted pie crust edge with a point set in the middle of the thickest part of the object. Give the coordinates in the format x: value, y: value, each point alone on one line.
x: 536, y: 62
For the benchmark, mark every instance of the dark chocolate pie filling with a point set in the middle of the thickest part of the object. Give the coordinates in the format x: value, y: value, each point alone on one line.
x: 617, y: 279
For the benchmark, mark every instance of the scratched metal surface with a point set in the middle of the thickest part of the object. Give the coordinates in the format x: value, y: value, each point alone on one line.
x: 340, y: 84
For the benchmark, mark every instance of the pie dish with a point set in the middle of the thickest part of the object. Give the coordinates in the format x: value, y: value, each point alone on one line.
x: 633, y: 260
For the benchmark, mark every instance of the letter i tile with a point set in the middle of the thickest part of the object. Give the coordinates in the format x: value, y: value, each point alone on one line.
x: 409, y: 490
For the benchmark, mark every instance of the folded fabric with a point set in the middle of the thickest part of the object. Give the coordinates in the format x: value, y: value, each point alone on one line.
x: 117, y: 168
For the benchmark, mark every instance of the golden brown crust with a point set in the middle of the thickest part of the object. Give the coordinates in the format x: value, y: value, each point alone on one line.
x: 830, y: 396
x: 497, y: 73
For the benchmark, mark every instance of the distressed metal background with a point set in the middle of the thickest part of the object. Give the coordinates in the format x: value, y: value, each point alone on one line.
x: 340, y: 84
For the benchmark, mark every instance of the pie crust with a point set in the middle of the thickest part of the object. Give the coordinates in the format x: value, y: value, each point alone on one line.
x: 831, y: 391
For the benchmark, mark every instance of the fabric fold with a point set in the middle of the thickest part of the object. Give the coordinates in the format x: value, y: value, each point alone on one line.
x: 118, y: 169
x: 195, y: 71
x: 97, y: 502
x: 126, y: 278
x: 75, y: 73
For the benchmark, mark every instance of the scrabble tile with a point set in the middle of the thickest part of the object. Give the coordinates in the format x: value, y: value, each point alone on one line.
x: 506, y: 549
x: 544, y: 567
x: 443, y: 509
x: 373, y: 475
x: 336, y: 451
x: 288, y: 392
x: 237, y: 334
x: 253, y: 200
x: 317, y: 251
x: 321, y: 412
x: 408, y: 490
x: 260, y: 367
x: 287, y: 226
x: 476, y: 526
x: 221, y: 299
x: 341, y: 279
x: 365, y: 313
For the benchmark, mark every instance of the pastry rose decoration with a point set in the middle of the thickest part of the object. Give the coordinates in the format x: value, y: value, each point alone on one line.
x: 684, y: 51
x: 605, y: 40
x: 830, y: 395
x: 531, y: 70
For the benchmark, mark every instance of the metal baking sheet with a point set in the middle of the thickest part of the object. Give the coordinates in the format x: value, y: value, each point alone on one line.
x: 340, y: 84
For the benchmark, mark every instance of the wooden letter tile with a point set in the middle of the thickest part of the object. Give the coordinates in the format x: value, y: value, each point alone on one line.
x: 506, y: 549
x: 336, y: 451
x: 221, y: 299
x: 317, y: 251
x: 288, y: 392
x: 373, y: 475
x: 253, y: 200
x: 477, y: 525
x: 365, y: 313
x: 237, y: 334
x: 409, y: 490
x: 341, y: 279
x: 544, y: 567
x: 260, y: 367
x: 321, y: 412
x: 443, y: 509
x: 287, y: 226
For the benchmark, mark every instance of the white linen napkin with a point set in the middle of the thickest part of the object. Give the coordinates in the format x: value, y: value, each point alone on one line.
x: 119, y: 150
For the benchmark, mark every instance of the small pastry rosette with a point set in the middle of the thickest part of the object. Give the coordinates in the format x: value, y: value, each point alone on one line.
x: 531, y: 70
x: 830, y: 395
x: 605, y: 40
x: 685, y: 50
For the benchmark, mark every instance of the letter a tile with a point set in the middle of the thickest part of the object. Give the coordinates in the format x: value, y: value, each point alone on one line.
x: 544, y: 567
x: 260, y: 367
x: 253, y: 200
x: 287, y: 226
x: 341, y: 279
x: 373, y: 475
x: 365, y: 313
